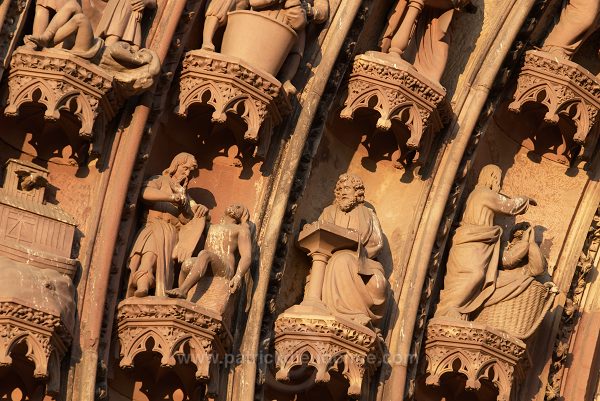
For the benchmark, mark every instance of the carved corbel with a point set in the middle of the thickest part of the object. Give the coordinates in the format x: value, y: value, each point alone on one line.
x: 567, y: 90
x: 398, y: 92
x: 173, y: 325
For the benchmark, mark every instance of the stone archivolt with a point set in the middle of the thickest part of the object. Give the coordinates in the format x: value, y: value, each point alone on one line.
x: 230, y: 85
x: 567, y: 90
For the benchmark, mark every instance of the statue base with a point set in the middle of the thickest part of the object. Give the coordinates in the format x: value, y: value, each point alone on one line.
x: 230, y: 85
x: 66, y: 83
x: 173, y: 325
x: 43, y: 332
x: 331, y: 342
x: 392, y: 87
x: 567, y: 90
x: 484, y: 355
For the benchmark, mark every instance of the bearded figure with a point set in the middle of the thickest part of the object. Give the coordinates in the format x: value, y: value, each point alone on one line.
x: 355, y: 285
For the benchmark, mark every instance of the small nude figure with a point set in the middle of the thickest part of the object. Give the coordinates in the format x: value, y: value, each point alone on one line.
x: 68, y: 19
x: 223, y: 241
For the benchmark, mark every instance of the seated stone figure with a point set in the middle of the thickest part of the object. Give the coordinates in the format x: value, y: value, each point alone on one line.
x: 354, y: 286
x: 68, y: 20
x: 225, y: 242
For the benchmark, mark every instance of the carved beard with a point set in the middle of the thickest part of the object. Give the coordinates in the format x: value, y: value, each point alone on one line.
x: 346, y: 205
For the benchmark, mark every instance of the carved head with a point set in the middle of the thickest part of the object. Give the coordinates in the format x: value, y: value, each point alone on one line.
x: 238, y: 212
x: 181, y: 167
x: 490, y: 177
x: 349, y: 192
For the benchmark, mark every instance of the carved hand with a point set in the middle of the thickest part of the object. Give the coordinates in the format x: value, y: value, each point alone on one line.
x: 200, y: 210
x: 137, y: 5
x: 235, y: 283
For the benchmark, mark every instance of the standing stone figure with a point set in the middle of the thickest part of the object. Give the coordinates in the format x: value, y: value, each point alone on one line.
x: 122, y: 21
x: 578, y: 20
x: 472, y: 266
x: 172, y: 227
x: 355, y: 285
x: 431, y: 33
x: 68, y: 20
x: 216, y: 17
x: 224, y: 241
x: 297, y: 14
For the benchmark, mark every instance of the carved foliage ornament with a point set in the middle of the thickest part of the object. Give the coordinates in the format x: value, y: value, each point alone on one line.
x: 566, y: 89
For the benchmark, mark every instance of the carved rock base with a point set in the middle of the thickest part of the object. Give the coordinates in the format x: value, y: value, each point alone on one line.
x: 566, y: 89
x: 397, y: 91
x: 173, y: 325
x: 230, y: 85
x: 66, y: 83
x: 476, y: 351
x: 331, y: 343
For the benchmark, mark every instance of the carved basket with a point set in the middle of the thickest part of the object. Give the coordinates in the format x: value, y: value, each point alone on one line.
x: 259, y: 40
x: 521, y: 315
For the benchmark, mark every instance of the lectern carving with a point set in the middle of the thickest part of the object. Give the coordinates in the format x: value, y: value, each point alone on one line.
x: 262, y: 46
x: 36, y: 293
x: 491, y: 301
x: 402, y: 91
x: 68, y: 69
x: 567, y: 90
x: 344, y: 296
x: 197, y: 314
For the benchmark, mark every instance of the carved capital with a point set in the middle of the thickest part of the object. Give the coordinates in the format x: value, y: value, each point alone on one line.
x: 172, y: 325
x: 476, y: 351
x: 331, y: 343
x: 566, y: 89
x: 398, y: 92
x: 231, y: 86
x: 63, y: 82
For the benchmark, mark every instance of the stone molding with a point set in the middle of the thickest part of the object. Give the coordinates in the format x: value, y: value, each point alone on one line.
x: 230, y: 85
x: 479, y: 352
x: 46, y: 337
x: 566, y: 89
x: 172, y: 324
x: 331, y: 342
x: 397, y: 92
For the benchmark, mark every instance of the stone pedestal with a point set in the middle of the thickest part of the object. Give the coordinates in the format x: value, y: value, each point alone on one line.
x: 63, y: 83
x: 332, y: 344
x: 232, y: 86
x: 567, y: 90
x: 398, y: 92
x: 484, y: 356
x: 173, y: 325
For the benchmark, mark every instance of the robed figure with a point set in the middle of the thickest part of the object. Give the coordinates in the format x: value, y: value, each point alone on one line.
x: 355, y: 285
x: 173, y: 224
x: 472, y: 267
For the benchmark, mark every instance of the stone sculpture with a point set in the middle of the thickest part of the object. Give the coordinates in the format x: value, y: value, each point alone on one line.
x: 122, y: 22
x: 567, y: 90
x: 172, y: 227
x: 578, y: 20
x: 354, y: 284
x: 472, y: 266
x: 224, y: 241
x: 216, y: 17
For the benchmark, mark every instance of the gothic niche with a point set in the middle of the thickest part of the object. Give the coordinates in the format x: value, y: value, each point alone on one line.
x: 402, y: 81
x: 569, y: 92
x: 70, y: 69
x: 36, y: 290
x: 250, y: 76
x: 333, y: 329
x: 188, y: 321
x: 494, y: 299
